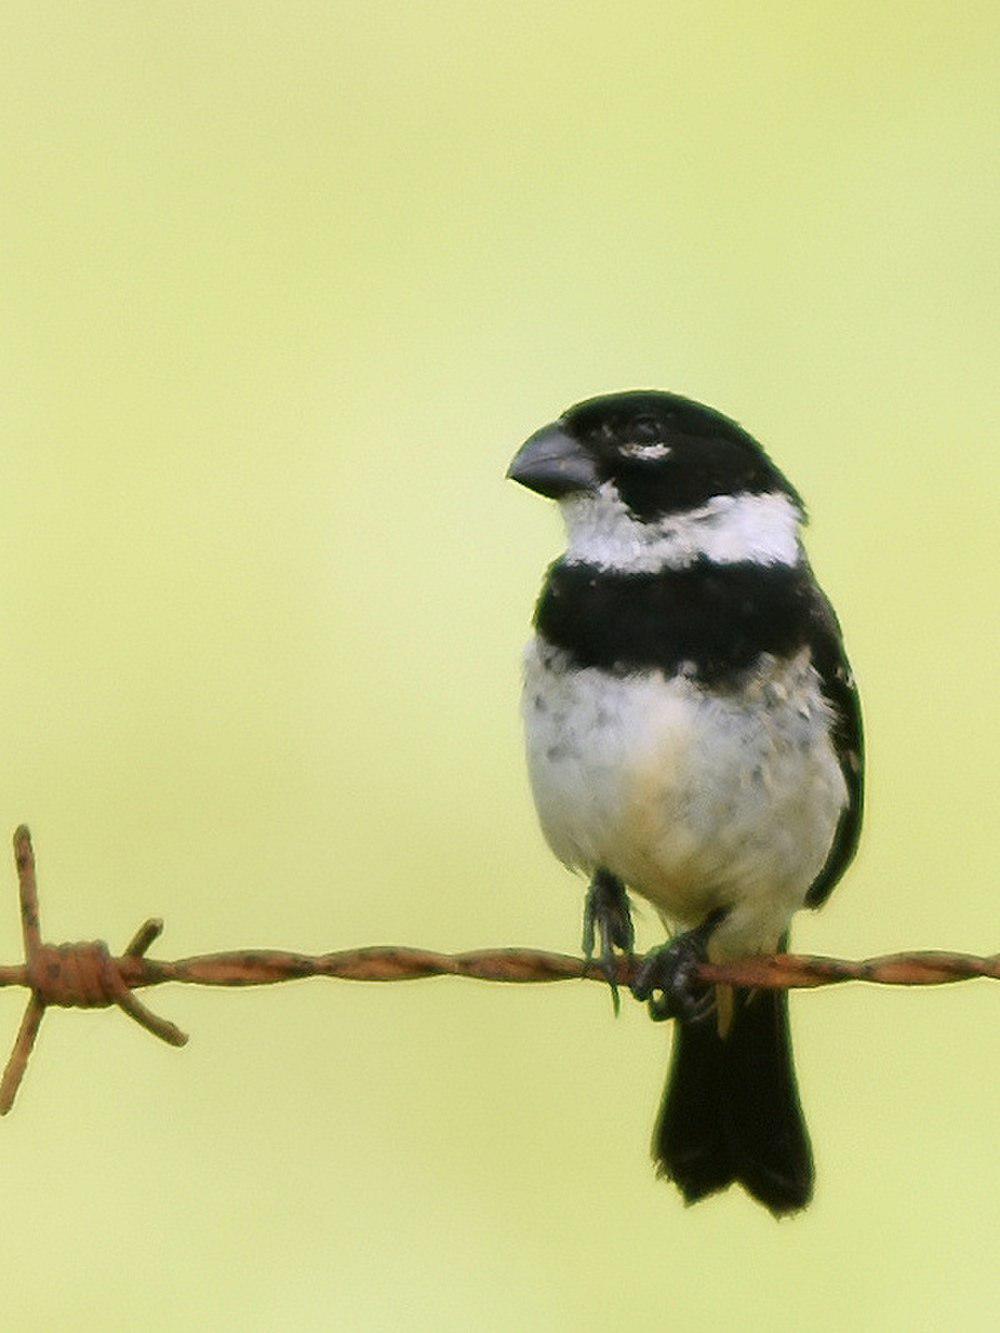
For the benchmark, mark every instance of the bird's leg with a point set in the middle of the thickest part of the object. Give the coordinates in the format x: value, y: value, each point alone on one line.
x: 607, y: 920
x: 666, y: 976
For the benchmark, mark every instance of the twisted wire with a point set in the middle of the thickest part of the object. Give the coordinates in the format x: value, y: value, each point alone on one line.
x: 86, y: 975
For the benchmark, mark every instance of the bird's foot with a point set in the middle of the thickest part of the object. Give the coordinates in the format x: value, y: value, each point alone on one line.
x: 608, y: 920
x: 667, y: 977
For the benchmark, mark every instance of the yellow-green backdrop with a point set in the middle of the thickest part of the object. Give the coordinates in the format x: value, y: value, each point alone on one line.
x: 283, y: 286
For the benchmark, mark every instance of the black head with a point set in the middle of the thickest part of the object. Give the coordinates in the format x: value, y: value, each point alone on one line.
x: 664, y: 454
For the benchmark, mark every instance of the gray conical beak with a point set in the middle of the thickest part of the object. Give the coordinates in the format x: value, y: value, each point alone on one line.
x: 553, y: 463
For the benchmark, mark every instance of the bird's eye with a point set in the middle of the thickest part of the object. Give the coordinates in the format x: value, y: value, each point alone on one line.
x: 642, y: 430
x: 642, y: 439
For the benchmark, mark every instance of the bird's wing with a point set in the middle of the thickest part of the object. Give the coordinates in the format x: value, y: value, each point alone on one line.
x: 841, y: 694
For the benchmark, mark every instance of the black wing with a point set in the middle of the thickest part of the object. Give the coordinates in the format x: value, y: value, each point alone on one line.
x: 840, y: 692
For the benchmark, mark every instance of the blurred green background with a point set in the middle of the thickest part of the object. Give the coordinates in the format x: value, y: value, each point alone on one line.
x: 283, y: 286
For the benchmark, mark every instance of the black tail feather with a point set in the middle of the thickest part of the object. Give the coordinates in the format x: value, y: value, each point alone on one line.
x: 731, y: 1109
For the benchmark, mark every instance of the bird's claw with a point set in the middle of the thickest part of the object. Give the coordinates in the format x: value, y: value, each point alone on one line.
x: 667, y: 980
x: 608, y: 920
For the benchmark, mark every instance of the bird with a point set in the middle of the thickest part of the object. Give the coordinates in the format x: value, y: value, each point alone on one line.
x: 694, y: 737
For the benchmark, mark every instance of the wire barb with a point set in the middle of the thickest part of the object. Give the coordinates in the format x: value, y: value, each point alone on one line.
x: 83, y: 976
x: 86, y: 975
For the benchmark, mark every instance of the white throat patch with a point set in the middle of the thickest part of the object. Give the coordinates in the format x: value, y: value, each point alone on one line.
x: 727, y: 529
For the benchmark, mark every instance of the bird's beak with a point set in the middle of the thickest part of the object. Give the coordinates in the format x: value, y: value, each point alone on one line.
x: 553, y: 463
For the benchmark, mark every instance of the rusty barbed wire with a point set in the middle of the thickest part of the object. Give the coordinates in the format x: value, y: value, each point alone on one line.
x: 87, y: 976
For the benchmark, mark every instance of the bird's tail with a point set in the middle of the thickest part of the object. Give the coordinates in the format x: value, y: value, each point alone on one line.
x: 731, y: 1109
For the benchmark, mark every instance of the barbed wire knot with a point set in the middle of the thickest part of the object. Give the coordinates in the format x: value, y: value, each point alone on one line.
x: 76, y: 976
x: 72, y: 976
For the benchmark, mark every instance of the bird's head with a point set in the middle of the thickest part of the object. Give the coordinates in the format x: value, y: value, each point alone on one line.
x: 644, y: 467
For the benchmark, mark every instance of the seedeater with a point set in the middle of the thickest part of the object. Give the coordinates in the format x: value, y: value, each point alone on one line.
x: 694, y: 736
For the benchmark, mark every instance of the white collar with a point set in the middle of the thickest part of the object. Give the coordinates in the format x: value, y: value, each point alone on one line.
x: 727, y: 529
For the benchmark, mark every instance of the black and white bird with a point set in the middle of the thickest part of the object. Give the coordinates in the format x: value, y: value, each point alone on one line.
x: 694, y: 736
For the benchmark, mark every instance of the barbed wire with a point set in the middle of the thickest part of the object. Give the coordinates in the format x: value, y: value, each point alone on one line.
x: 86, y: 975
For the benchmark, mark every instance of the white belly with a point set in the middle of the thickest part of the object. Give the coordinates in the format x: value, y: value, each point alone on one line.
x: 696, y: 800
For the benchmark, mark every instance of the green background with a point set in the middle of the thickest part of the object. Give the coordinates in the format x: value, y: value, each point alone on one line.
x: 283, y: 287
